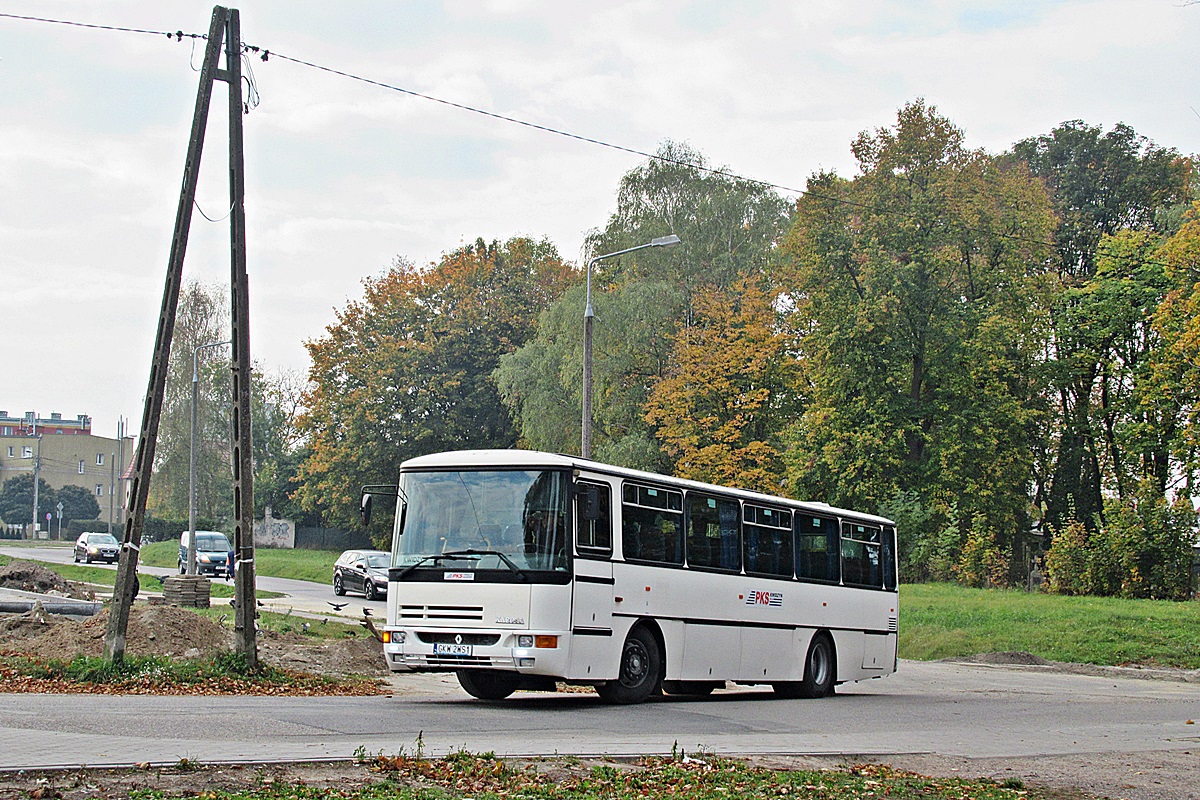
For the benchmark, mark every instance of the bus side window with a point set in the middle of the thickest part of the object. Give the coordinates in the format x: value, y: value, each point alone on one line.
x: 712, y: 533
x: 652, y: 524
x: 817, y: 548
x: 889, y: 558
x: 767, y: 537
x: 593, y: 519
x: 860, y: 556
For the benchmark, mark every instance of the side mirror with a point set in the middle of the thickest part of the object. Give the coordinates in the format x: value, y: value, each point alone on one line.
x: 364, y: 509
x: 591, y: 503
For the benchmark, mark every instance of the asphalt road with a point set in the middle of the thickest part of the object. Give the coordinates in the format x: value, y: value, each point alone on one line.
x: 971, y: 711
x: 303, y: 597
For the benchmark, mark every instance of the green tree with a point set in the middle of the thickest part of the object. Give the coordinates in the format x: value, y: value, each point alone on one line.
x: 920, y: 301
x: 78, y: 503
x: 1100, y: 184
x: 16, y: 500
x: 277, y: 442
x: 408, y: 369
x: 202, y: 318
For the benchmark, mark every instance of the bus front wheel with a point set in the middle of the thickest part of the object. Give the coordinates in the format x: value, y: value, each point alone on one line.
x: 820, y: 672
x: 488, y: 684
x: 641, y: 666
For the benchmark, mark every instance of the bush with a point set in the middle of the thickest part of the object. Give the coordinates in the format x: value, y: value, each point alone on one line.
x: 1142, y: 549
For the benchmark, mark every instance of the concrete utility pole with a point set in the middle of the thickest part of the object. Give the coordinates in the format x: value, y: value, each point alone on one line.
x: 225, y: 28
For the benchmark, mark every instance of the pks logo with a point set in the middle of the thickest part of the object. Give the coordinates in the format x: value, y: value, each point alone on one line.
x: 761, y: 598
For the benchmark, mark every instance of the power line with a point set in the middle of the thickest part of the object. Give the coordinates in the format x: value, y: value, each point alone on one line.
x: 177, y: 35
x: 265, y: 54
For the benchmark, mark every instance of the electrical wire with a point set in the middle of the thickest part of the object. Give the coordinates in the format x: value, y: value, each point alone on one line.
x: 177, y: 35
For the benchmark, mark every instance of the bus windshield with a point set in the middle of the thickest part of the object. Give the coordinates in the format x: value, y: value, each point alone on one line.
x: 511, y: 520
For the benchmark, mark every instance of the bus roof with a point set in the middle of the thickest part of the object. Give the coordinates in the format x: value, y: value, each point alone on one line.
x: 508, y: 459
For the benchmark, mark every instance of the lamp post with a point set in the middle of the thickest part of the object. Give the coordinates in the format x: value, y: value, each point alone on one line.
x: 191, y: 550
x: 586, y: 439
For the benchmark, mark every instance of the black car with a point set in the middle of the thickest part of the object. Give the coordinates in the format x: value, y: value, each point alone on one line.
x: 362, y: 571
x: 91, y: 547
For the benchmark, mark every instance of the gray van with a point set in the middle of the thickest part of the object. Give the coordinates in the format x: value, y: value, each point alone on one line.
x: 213, y: 553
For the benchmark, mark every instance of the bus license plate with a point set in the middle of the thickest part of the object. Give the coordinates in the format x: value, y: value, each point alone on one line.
x: 452, y: 649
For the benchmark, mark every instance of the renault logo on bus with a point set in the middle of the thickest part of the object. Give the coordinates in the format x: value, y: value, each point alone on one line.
x: 458, y: 638
x: 758, y: 597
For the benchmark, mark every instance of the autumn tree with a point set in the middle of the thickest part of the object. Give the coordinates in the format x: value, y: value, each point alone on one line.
x: 408, y: 369
x: 921, y: 306
x: 722, y: 409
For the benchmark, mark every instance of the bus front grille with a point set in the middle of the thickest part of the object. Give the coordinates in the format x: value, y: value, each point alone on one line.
x: 482, y: 639
x: 440, y: 612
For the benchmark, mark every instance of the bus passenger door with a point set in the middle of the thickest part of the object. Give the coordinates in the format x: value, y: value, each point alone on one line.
x: 592, y: 645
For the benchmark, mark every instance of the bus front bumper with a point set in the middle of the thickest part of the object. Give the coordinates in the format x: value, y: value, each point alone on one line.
x: 448, y: 649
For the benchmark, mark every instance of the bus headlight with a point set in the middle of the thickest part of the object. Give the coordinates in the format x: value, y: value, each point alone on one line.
x: 524, y: 641
x: 393, y: 637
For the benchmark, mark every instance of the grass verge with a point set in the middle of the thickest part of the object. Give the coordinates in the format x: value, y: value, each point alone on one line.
x: 287, y: 623
x: 463, y: 775
x: 98, y: 576
x: 945, y: 620
x: 301, y: 565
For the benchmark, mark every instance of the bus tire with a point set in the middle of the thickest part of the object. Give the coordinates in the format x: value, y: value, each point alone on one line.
x: 641, y: 666
x: 690, y: 688
x: 488, y: 684
x: 820, y: 672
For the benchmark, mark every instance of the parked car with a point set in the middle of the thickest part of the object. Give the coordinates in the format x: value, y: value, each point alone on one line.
x: 91, y: 547
x: 212, y: 553
x: 363, y: 571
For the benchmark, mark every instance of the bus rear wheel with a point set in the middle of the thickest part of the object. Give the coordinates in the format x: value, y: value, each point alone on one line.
x: 820, y: 672
x: 488, y: 684
x: 641, y: 666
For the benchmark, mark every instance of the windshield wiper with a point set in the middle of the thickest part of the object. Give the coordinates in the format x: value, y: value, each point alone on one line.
x: 507, y: 561
x: 436, y: 557
x: 465, y: 555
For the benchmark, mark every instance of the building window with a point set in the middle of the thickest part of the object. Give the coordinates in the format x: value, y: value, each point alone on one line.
x: 11, y: 451
x: 80, y: 467
x: 6, y: 431
x: 99, y: 459
x: 26, y: 452
x: 99, y: 490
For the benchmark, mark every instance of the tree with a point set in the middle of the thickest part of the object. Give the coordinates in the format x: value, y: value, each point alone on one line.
x: 408, y: 369
x: 202, y: 318
x: 1100, y: 184
x: 78, y: 503
x: 728, y: 228
x: 920, y: 303
x: 277, y: 442
x: 16, y: 500
x: 722, y: 410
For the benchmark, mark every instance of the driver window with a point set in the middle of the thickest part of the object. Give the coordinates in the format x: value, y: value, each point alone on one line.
x: 593, y: 519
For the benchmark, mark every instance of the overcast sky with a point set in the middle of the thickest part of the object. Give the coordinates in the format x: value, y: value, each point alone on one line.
x: 343, y: 177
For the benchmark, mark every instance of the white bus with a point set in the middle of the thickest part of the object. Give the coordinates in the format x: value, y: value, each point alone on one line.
x: 516, y: 569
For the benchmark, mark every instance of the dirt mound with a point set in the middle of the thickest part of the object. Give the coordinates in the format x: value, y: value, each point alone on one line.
x: 358, y: 656
x: 31, y: 577
x: 161, y: 630
x: 152, y: 631
x: 1012, y: 657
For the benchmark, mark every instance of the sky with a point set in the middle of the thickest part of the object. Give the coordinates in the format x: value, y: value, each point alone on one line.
x: 343, y: 178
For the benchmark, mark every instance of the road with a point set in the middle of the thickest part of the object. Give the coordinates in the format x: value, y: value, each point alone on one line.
x: 302, y: 597
x: 970, y: 711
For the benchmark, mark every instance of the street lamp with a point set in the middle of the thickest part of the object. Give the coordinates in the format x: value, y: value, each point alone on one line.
x: 586, y: 443
x: 191, y: 550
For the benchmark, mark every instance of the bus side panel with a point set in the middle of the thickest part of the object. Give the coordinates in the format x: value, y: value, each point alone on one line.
x: 768, y: 655
x: 710, y: 652
x: 595, y: 648
x: 849, y: 648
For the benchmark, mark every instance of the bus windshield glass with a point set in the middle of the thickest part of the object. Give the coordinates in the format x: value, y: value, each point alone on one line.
x: 512, y: 520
